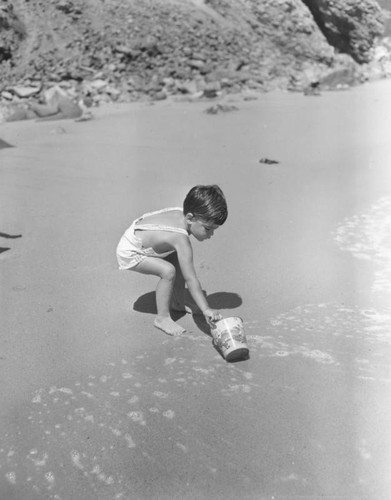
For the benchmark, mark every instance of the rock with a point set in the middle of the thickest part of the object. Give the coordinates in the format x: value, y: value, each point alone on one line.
x: 250, y: 98
x: 43, y: 110
x: 160, y: 96
x: 65, y: 6
x: 187, y: 51
x: 340, y: 79
x: 20, y: 113
x: 351, y: 26
x: 24, y: 92
x: 169, y: 83
x: 58, y: 105
x: 136, y: 83
x: 268, y: 161
x: 5, y: 52
x: 186, y: 87
x: 10, y: 21
x: 112, y: 92
x: 313, y: 89
x: 53, y: 94
x: 7, y: 95
x: 196, y: 64
x: 127, y: 51
x: 220, y: 108
x: 149, y: 45
x: 226, y: 83
x: 98, y: 84
x: 86, y: 116
x: 212, y: 89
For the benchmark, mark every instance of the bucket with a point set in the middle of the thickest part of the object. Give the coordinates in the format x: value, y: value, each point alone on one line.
x: 228, y: 336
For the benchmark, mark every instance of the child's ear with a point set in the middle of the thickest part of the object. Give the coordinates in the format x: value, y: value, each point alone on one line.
x: 189, y: 217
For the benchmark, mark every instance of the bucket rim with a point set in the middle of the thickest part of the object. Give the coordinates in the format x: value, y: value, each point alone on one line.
x: 229, y: 317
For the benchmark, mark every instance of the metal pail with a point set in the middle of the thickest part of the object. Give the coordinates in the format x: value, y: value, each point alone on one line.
x: 228, y: 336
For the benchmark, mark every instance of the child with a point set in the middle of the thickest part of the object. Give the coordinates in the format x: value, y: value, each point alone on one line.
x: 158, y: 243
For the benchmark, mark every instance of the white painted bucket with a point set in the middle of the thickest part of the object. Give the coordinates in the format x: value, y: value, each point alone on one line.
x: 228, y: 336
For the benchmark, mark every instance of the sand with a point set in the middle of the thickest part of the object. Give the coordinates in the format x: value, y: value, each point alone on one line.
x: 97, y: 404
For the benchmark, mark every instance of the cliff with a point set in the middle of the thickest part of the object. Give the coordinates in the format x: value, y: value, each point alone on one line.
x: 129, y: 49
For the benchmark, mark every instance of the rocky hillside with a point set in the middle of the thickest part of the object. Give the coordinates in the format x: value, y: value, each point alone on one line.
x: 131, y: 49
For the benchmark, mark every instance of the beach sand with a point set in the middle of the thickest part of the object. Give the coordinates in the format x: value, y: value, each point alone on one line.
x: 97, y: 404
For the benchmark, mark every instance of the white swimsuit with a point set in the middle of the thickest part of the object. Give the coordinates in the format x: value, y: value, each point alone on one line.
x: 130, y: 250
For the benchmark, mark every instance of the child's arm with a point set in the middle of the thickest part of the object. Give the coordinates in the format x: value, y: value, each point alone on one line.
x: 185, y: 258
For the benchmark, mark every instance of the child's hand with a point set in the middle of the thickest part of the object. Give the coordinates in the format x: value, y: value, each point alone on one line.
x: 212, y: 315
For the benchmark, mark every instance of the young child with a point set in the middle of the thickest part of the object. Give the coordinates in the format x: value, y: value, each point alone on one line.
x: 158, y: 243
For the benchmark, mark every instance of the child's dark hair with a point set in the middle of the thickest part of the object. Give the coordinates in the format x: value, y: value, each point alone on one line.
x: 206, y: 203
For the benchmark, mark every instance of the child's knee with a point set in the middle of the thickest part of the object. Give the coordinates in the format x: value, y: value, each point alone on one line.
x: 169, y: 272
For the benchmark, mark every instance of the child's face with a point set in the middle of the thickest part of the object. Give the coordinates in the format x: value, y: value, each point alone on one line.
x: 202, y: 230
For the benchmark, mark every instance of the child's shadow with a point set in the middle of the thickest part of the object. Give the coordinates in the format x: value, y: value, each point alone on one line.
x: 218, y: 300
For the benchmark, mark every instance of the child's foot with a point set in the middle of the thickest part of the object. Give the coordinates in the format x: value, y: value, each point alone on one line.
x: 168, y: 326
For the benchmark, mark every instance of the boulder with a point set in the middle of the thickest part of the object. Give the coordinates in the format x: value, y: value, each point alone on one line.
x: 340, y: 78
x: 8, y: 96
x: 19, y: 113
x: 43, y: 110
x: 53, y: 94
x: 189, y: 87
x: 24, y: 92
x: 159, y: 96
x: 351, y: 26
x: 58, y: 105
x: 196, y: 64
x: 65, y: 6
x: 98, y: 84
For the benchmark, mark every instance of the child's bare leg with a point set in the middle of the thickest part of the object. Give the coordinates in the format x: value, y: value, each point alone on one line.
x: 181, y: 300
x: 166, y: 272
x: 178, y: 294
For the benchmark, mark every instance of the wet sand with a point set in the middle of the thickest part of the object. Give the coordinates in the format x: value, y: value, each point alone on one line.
x: 98, y: 405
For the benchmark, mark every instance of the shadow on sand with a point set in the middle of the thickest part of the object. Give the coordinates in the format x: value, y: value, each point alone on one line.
x: 4, y: 144
x: 8, y: 236
x: 218, y: 300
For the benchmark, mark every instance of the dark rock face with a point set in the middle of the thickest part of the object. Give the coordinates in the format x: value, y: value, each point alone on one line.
x: 11, y: 31
x: 351, y: 26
